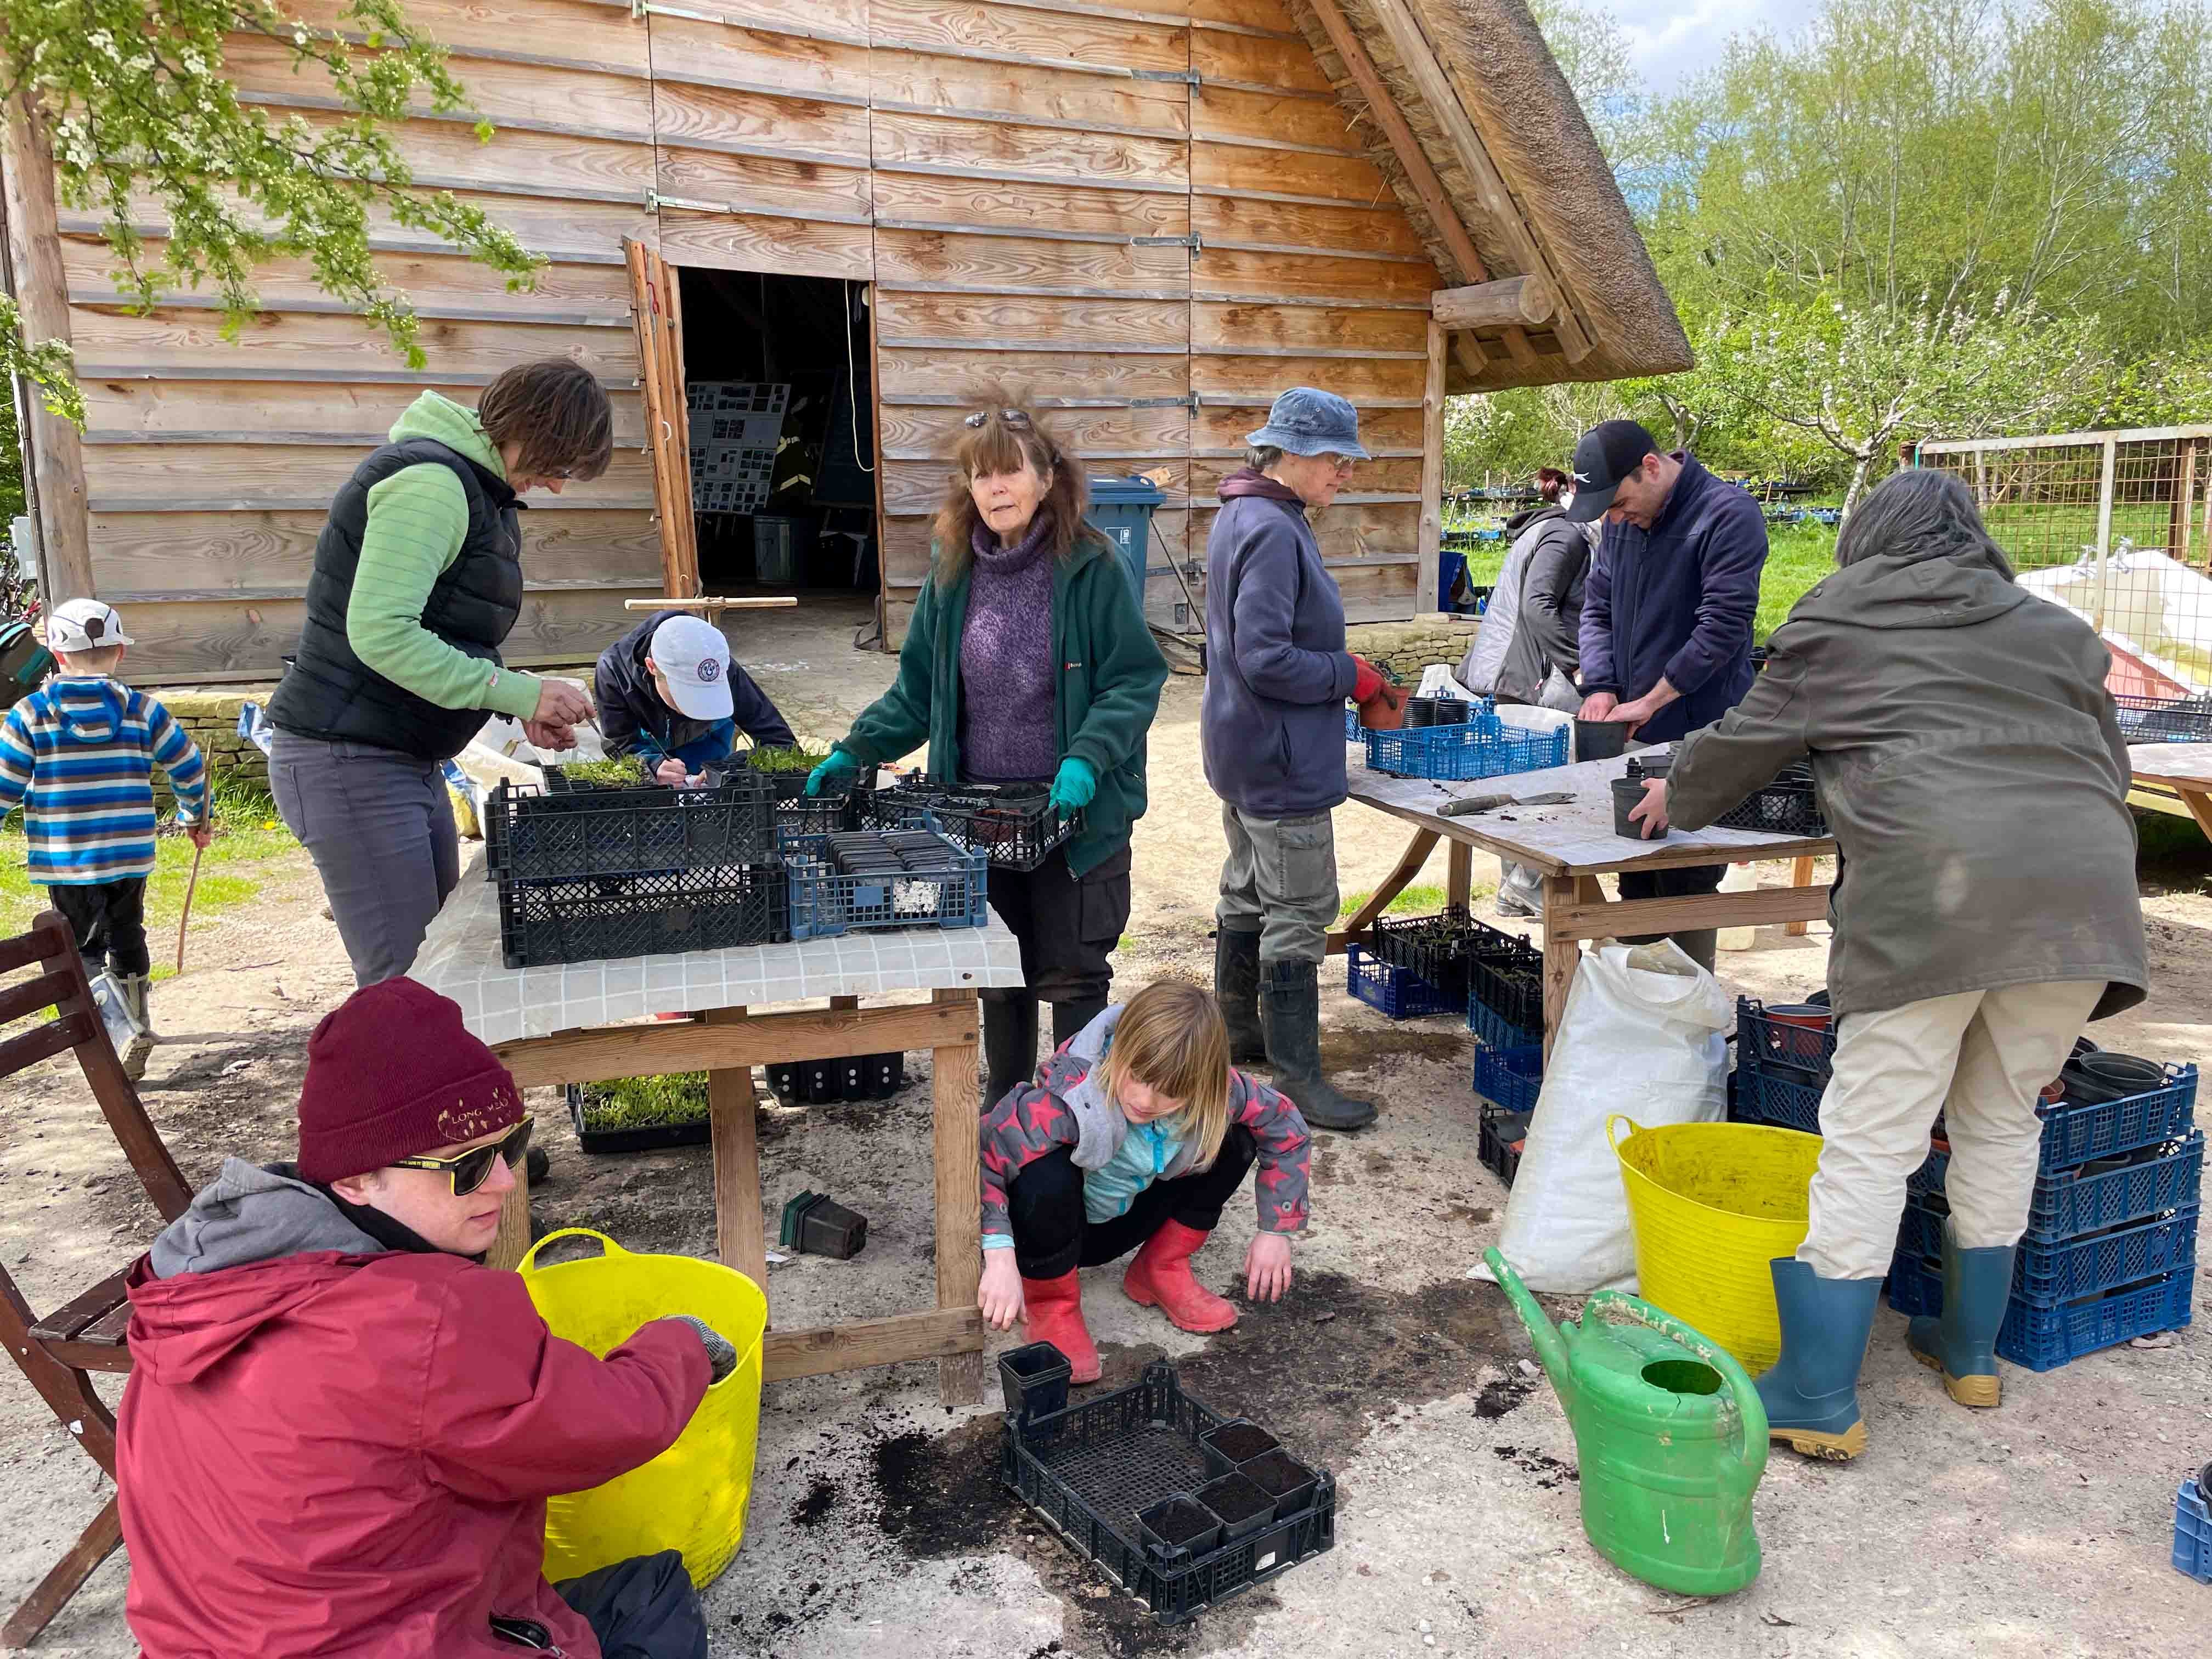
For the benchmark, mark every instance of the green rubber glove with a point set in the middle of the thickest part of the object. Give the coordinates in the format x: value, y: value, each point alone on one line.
x: 834, y: 776
x: 1074, y: 786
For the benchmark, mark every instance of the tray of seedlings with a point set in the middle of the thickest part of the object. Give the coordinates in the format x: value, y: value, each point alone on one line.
x: 641, y: 1114
x: 609, y: 819
x: 1178, y: 1505
x: 1014, y: 825
x: 797, y: 813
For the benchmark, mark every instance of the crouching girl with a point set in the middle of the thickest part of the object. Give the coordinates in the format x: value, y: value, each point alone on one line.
x: 1133, y: 1136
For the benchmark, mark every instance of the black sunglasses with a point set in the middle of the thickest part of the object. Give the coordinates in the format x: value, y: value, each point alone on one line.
x: 473, y: 1168
x: 1016, y: 418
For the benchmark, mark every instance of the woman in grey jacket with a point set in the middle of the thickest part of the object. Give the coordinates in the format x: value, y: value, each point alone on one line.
x: 1970, y: 762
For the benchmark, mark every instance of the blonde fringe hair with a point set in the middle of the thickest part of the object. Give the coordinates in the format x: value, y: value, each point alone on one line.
x: 1170, y: 1039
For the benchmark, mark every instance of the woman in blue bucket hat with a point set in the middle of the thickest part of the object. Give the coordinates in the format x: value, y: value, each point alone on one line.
x: 1273, y: 736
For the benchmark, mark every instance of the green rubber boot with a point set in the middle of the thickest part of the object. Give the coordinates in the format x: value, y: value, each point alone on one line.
x: 1811, y: 1395
x: 1960, y: 1342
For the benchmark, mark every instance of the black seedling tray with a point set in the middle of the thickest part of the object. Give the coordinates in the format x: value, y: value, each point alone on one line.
x: 1091, y: 1469
x: 568, y: 828
x: 1787, y: 806
x: 608, y: 918
x: 648, y: 1137
x: 1437, y: 949
x: 1506, y: 975
x: 1016, y: 826
x: 797, y: 813
x: 2165, y: 720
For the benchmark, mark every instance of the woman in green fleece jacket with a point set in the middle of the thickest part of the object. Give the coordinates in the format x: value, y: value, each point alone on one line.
x: 417, y: 580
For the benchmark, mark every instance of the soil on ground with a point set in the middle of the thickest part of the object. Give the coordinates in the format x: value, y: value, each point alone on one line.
x: 878, y: 1523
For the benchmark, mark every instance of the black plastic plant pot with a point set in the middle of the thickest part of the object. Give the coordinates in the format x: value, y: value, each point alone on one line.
x: 1034, y: 1379
x: 1178, y: 1528
x: 814, y: 1223
x: 1626, y: 793
x: 1234, y: 1443
x: 884, y: 1075
x: 1283, y: 1478
x: 1242, y: 1504
x: 1599, y: 739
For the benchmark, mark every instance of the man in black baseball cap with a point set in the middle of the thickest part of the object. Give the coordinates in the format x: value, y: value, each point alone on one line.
x: 1666, y: 608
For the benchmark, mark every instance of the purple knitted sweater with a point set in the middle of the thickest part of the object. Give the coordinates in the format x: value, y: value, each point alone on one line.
x: 1008, y: 732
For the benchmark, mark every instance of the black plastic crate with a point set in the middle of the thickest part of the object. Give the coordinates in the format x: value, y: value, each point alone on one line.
x: 1505, y: 976
x: 564, y: 831
x: 1787, y: 806
x: 2164, y: 719
x: 1799, y: 1053
x: 608, y: 918
x: 646, y: 1138
x: 797, y: 813
x: 1500, y: 1141
x: 1016, y: 826
x: 1090, y: 1469
x: 1437, y: 948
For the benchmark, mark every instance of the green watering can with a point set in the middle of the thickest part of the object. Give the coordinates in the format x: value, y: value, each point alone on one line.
x: 1670, y: 1433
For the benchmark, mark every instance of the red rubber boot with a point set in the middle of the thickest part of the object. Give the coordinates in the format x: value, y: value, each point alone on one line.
x: 1160, y: 1277
x: 1055, y: 1316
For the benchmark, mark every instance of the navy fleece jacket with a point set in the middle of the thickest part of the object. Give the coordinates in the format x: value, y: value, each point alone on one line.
x: 1677, y: 600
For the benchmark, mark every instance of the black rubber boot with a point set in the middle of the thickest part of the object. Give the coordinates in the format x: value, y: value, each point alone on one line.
x: 1290, y: 1010
x: 1010, y: 1035
x: 1069, y: 1017
x: 1236, y: 988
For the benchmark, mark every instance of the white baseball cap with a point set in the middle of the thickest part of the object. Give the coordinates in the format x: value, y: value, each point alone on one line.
x: 85, y: 625
x: 693, y: 658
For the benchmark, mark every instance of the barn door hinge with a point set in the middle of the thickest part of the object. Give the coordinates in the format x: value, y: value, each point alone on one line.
x: 1189, y: 400
x: 1191, y: 241
x: 655, y: 200
x: 1187, y: 77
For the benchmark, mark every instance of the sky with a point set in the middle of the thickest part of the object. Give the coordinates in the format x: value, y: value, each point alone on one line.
x: 1672, y: 40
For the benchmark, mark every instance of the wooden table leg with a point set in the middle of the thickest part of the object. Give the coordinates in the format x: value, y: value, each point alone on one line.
x: 738, y: 1237
x: 2199, y: 803
x: 93, y: 1545
x: 1801, y: 875
x: 1561, y: 955
x: 955, y: 1143
x: 1409, y: 865
x: 512, y: 1243
x: 1458, y: 872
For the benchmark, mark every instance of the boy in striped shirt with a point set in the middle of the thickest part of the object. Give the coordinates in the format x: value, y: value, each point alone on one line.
x: 79, y: 754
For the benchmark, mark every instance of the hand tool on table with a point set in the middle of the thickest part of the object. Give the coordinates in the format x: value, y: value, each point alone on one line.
x: 1466, y: 805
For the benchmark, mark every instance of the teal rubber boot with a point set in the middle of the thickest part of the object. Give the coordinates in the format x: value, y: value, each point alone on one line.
x: 1812, y: 1395
x: 1962, y: 1341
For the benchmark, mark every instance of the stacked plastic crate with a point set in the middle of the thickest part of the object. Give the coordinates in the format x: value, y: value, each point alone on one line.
x: 2110, y: 1245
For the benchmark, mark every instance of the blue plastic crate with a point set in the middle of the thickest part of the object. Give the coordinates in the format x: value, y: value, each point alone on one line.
x: 825, y: 904
x: 2067, y: 1202
x: 1764, y: 1096
x: 2075, y: 1134
x: 2045, y: 1274
x: 1396, y: 992
x: 2043, y: 1339
x: 1350, y: 724
x: 1509, y: 1079
x: 2192, y: 1532
x: 1484, y: 747
x: 1496, y: 1031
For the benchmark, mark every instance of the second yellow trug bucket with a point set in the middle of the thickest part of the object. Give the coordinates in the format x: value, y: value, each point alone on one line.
x: 1711, y: 1204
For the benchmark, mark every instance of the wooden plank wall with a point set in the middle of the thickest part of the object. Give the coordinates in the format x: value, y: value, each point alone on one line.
x: 1017, y: 178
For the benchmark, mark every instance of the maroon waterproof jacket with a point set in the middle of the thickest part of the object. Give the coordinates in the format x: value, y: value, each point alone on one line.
x: 334, y: 1454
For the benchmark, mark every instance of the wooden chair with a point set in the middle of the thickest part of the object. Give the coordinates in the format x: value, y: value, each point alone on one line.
x: 59, y: 1352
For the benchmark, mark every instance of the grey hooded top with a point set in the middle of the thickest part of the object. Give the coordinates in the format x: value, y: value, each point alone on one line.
x: 1970, y: 763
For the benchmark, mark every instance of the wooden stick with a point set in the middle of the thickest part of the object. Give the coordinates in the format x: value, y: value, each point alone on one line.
x: 191, y: 886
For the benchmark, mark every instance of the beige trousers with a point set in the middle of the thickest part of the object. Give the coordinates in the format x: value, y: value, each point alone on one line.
x: 1981, y: 1058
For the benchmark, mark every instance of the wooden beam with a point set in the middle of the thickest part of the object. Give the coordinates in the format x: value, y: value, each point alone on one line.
x: 1420, y: 173
x: 1587, y: 918
x: 616, y: 1051
x: 1410, y: 43
x: 41, y: 289
x: 740, y: 1237
x: 940, y: 1333
x: 1432, y: 472
x: 956, y: 1152
x: 1508, y: 300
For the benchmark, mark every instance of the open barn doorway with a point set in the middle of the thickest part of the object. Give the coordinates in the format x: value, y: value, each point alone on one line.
x: 780, y: 402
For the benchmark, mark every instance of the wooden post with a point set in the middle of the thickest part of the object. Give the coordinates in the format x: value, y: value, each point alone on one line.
x: 1562, y: 955
x: 2183, y: 518
x: 2105, y: 523
x: 739, y: 1238
x: 1801, y: 875
x: 956, y: 1152
x: 1500, y: 304
x: 512, y: 1243
x: 1459, y: 872
x: 1432, y: 473
x: 56, y: 447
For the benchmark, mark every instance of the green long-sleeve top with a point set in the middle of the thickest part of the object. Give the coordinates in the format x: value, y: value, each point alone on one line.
x: 417, y: 519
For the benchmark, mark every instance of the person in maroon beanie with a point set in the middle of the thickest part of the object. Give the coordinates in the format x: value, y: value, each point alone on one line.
x: 340, y: 1429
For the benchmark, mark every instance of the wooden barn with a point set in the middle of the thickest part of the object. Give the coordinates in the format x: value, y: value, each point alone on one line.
x: 1150, y: 216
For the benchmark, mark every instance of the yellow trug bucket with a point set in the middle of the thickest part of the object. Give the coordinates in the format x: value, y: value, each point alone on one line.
x: 1712, y: 1205
x: 692, y: 1497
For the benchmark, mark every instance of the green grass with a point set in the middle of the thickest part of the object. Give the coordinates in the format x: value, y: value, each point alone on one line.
x: 248, y: 833
x: 1409, y: 901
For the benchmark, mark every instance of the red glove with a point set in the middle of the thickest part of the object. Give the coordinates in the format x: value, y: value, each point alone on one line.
x: 1367, y: 682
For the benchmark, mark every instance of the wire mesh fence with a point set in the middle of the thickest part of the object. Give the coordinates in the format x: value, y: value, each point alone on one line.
x: 2118, y: 527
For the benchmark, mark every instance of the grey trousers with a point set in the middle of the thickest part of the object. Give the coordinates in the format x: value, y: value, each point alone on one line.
x: 1279, y: 882
x: 379, y: 826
